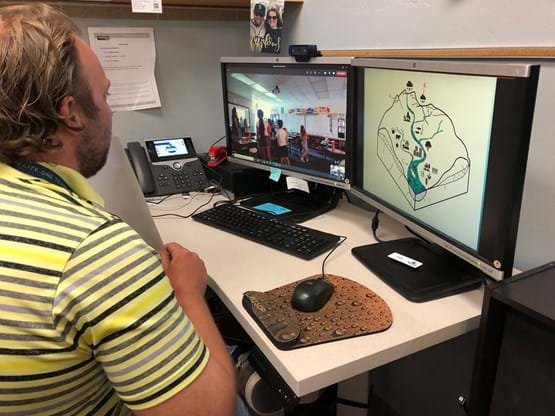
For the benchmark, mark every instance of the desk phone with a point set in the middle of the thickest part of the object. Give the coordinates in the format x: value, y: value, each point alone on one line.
x: 167, y: 167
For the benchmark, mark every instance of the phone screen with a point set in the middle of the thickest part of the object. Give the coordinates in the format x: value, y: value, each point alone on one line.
x: 170, y: 148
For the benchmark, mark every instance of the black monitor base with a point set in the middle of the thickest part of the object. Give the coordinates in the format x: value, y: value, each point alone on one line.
x: 441, y: 274
x: 302, y: 206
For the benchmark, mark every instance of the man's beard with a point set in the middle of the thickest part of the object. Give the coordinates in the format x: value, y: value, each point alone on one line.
x: 93, y: 150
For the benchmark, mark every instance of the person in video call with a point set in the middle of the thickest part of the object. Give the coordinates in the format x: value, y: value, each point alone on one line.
x: 271, y: 133
x: 304, y: 144
x: 95, y: 321
x: 262, y: 136
x: 257, y: 27
x: 282, y: 137
x: 245, y: 128
x: 235, y: 126
x: 272, y: 39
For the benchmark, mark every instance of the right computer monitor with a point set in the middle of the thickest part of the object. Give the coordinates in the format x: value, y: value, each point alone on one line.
x: 442, y: 147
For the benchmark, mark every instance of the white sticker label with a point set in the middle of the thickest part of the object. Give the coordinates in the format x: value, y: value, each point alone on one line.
x: 297, y: 183
x: 415, y: 264
x: 146, y: 6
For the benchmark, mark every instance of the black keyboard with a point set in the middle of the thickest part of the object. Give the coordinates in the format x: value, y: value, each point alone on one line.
x: 285, y: 236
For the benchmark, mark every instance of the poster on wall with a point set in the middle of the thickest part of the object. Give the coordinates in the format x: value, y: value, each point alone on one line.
x: 266, y: 25
x: 128, y: 56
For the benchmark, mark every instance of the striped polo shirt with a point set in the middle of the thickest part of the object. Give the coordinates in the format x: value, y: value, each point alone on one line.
x: 89, y: 323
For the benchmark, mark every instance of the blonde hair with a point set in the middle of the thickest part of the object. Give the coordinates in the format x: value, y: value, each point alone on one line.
x: 39, y: 67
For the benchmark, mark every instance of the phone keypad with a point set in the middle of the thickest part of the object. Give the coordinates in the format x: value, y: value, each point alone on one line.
x: 181, y: 180
x: 163, y: 180
x: 189, y: 178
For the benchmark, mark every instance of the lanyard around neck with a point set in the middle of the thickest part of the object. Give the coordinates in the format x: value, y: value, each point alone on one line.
x: 41, y: 172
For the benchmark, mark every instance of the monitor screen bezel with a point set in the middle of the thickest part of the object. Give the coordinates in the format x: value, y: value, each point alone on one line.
x: 494, y: 197
x: 349, y: 128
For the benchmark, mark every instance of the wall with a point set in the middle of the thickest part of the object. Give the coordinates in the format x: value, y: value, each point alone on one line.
x: 399, y: 24
x: 188, y: 76
x: 360, y: 24
x: 189, y: 45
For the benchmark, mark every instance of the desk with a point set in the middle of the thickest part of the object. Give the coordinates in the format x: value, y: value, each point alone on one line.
x: 236, y: 265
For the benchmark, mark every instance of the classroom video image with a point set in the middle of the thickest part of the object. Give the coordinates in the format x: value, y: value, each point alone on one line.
x: 289, y: 121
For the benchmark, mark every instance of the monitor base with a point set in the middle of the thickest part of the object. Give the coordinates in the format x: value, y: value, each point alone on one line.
x: 441, y: 274
x: 301, y: 206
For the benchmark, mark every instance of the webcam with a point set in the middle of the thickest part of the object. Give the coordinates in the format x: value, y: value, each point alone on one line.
x: 303, y: 53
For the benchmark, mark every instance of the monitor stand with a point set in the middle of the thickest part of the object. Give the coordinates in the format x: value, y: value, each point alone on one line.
x: 441, y: 274
x: 300, y: 206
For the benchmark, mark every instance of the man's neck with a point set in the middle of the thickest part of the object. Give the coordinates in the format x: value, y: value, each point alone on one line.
x: 64, y: 154
x: 56, y: 157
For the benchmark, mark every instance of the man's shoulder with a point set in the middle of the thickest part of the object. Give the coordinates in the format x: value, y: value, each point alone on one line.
x: 51, y: 203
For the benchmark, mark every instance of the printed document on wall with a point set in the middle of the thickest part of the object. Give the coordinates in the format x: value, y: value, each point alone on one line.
x: 128, y: 56
x: 146, y: 6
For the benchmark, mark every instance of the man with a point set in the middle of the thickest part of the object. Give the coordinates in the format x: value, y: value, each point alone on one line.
x: 258, y: 27
x: 90, y: 322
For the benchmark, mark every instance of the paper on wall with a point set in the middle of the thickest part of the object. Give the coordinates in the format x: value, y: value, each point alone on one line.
x: 128, y: 56
x: 146, y: 6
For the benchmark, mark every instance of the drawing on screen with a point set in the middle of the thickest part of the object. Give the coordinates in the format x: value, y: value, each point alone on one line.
x: 419, y: 147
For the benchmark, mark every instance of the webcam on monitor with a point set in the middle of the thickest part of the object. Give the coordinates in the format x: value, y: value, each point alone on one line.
x: 303, y: 53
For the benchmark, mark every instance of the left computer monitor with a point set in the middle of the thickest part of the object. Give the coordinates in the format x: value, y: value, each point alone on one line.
x: 292, y: 117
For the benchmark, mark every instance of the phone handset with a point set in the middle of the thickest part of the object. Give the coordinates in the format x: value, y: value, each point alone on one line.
x: 141, y: 166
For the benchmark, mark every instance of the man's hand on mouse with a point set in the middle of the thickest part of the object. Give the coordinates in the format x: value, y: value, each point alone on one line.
x: 185, y: 269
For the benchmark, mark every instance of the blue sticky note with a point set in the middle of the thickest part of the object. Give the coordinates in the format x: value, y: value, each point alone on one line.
x: 275, y: 174
x: 272, y: 208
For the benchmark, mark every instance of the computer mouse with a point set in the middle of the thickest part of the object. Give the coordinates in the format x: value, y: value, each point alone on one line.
x: 311, y: 295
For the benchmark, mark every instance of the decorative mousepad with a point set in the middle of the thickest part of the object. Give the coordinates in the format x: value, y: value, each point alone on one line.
x: 352, y: 310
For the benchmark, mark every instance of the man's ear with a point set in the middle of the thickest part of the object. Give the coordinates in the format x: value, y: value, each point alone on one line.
x: 71, y: 114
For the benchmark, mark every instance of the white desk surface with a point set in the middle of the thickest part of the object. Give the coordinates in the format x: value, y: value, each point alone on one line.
x: 236, y: 265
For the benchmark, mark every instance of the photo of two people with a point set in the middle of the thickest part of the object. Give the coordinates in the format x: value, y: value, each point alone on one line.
x: 266, y: 25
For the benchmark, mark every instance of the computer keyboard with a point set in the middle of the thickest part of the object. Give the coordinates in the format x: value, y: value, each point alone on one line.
x: 287, y: 237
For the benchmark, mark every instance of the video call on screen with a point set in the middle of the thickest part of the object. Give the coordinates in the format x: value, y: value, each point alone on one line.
x: 310, y: 103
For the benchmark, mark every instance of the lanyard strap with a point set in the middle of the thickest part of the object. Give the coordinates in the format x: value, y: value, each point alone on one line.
x: 41, y: 172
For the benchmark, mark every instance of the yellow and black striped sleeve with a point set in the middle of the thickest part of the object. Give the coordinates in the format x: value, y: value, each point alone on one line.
x: 119, y: 304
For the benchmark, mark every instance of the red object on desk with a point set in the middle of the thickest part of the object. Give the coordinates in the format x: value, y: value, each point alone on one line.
x: 216, y: 155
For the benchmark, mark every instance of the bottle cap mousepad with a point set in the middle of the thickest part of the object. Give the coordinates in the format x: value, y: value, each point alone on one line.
x: 352, y: 310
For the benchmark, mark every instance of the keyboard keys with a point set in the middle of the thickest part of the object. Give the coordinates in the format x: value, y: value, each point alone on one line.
x: 287, y: 237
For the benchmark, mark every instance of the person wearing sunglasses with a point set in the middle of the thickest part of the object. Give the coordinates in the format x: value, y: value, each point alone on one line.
x: 272, y: 41
x: 273, y: 20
